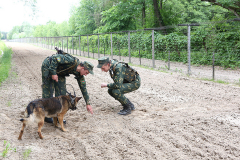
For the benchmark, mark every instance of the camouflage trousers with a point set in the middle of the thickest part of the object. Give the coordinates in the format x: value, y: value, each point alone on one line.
x: 49, y: 85
x: 118, y: 94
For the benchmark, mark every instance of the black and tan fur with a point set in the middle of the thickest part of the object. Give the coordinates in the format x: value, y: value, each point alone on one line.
x: 55, y: 107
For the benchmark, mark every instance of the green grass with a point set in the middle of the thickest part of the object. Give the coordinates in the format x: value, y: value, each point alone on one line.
x: 9, y: 103
x: 6, y: 149
x: 217, y: 81
x: 5, y: 61
x: 26, y: 153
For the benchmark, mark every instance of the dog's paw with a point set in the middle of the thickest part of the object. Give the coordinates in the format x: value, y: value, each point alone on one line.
x: 64, y: 130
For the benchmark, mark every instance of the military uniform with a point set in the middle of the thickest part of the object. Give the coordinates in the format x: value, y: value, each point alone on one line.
x: 125, y: 78
x: 62, y: 65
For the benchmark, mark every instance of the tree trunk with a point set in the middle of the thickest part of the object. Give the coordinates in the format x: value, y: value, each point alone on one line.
x: 143, y: 14
x: 157, y: 15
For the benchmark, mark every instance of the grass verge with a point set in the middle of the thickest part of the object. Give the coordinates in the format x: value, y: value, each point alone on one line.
x: 5, y: 61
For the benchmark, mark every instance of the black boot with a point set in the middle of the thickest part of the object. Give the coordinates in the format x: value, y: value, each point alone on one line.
x: 126, y: 110
x: 48, y: 120
x: 131, y: 104
x: 124, y: 106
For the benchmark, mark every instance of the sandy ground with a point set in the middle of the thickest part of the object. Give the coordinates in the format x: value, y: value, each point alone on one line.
x: 176, y: 116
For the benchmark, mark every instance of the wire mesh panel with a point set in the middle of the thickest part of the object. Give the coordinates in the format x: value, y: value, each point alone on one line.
x: 105, y: 45
x: 93, y: 43
x: 185, y: 48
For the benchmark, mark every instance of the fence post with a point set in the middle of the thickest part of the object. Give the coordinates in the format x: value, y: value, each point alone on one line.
x: 72, y: 46
x: 168, y: 60
x: 139, y: 56
x: 189, y: 50
x: 111, y: 47
x: 153, y: 60
x: 79, y: 45
x: 129, y: 48
x: 189, y: 44
x: 88, y: 46
x: 67, y: 44
x: 62, y: 43
x: 83, y: 49
x: 76, y: 45
x: 213, y: 75
x: 98, y: 47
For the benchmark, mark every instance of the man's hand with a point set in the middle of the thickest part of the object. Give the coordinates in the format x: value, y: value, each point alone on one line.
x: 89, y: 108
x: 55, y: 78
x: 103, y: 85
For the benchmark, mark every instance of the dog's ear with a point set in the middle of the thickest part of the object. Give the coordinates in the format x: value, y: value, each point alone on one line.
x: 78, y: 98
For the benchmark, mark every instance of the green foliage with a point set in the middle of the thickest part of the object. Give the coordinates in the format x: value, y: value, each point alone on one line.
x: 9, y: 103
x: 92, y: 16
x: 84, y: 17
x: 223, y: 40
x: 26, y: 153
x: 3, y: 35
x: 231, y: 5
x: 215, y: 35
x: 25, y: 30
x: 52, y: 29
x: 119, y: 17
x: 5, y: 61
x: 6, y: 149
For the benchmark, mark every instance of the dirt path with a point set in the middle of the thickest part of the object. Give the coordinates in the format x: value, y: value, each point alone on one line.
x: 176, y: 117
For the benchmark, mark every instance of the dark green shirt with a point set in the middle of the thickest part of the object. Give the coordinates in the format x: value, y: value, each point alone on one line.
x: 63, y: 65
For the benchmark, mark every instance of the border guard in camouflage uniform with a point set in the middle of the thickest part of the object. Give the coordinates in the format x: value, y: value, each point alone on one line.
x: 54, y: 72
x: 125, y: 78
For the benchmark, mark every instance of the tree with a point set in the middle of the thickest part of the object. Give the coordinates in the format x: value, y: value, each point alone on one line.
x: 31, y: 4
x: 27, y: 29
x: 120, y: 17
x: 231, y: 5
x: 83, y: 17
x: 63, y: 29
x: 15, y: 30
x: 3, y: 35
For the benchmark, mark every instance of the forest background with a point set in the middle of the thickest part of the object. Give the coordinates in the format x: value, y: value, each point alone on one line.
x: 217, y: 30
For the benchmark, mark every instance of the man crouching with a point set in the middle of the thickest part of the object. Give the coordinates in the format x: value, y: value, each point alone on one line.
x: 125, y: 78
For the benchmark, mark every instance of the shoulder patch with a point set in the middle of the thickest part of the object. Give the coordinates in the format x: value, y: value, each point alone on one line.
x: 83, y: 82
x: 58, y: 59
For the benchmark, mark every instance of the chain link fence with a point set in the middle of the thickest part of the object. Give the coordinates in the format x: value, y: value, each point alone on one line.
x: 185, y: 48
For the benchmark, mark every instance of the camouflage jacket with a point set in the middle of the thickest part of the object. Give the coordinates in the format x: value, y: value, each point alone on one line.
x: 120, y: 73
x: 66, y: 64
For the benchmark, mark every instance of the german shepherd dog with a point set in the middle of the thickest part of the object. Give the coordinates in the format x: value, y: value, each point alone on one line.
x: 55, y: 107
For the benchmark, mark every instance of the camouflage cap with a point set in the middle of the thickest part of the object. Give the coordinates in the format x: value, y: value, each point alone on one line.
x: 102, y: 61
x: 89, y: 66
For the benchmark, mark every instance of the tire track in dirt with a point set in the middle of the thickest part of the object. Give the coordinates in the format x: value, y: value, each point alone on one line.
x: 29, y: 64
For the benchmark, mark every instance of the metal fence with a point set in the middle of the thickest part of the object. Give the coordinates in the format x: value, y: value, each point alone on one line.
x: 159, y: 48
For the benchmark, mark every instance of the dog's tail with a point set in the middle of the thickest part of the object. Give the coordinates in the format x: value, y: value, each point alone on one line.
x: 28, y: 112
x: 26, y: 118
